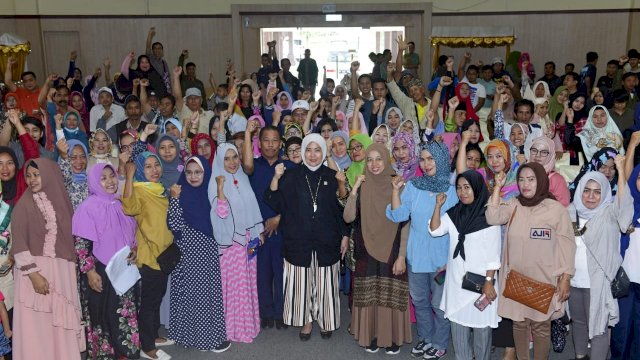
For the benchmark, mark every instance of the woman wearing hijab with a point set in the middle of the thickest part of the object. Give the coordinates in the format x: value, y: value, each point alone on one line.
x: 477, y: 251
x: 410, y: 127
x: 47, y: 307
x: 600, y: 131
x: 237, y: 228
x: 144, y: 199
x: 624, y: 338
x: 315, y: 238
x: 144, y: 70
x: 172, y: 166
x: 380, y: 316
x: 572, y: 121
x: 101, y: 150
x: 542, y: 151
x: 602, y: 161
x: 539, y: 90
x: 599, y: 219
x: 426, y: 255
x: 70, y: 128
x: 558, y: 102
x: 358, y: 145
x: 539, y: 244
x: 339, y: 149
x: 404, y: 153
x: 77, y: 101
x: 393, y: 118
x: 382, y: 135
x: 101, y: 229
x: 197, y: 312
x: 203, y: 145
x: 284, y: 102
x: 73, y: 164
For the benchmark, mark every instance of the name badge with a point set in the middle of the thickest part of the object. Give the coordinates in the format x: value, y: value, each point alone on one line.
x: 540, y: 234
x: 325, y: 183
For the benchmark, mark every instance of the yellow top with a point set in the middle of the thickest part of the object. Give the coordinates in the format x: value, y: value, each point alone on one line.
x: 149, y: 207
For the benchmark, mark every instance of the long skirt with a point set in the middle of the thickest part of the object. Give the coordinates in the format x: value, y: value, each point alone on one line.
x: 312, y: 293
x: 240, y: 294
x: 48, y: 326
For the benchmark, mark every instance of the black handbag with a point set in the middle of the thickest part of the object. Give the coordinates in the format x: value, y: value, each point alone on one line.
x: 474, y: 282
x: 169, y: 258
x: 620, y: 284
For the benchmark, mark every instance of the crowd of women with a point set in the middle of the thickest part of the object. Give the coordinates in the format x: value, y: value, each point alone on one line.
x: 218, y: 227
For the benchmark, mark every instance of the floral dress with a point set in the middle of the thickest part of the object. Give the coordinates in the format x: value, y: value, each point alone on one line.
x: 109, y: 318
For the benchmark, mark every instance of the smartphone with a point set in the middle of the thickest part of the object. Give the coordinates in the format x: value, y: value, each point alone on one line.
x: 440, y: 276
x: 482, y: 302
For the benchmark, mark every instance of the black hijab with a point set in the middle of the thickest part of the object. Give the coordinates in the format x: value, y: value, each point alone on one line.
x: 470, y: 218
x: 10, y: 188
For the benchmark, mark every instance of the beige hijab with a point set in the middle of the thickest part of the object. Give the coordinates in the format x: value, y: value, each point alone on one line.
x: 378, y: 232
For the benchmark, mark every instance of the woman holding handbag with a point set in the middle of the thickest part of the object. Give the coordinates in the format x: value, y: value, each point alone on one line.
x: 469, y: 293
x: 539, y: 251
x: 598, y: 218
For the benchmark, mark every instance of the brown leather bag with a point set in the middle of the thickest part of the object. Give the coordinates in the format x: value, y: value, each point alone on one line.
x: 525, y: 290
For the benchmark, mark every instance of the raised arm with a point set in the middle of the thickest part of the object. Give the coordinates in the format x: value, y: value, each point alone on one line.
x: 107, y: 71
x: 72, y: 64
x: 44, y: 91
x: 8, y: 78
x: 435, y: 218
x: 631, y: 152
x: 435, y: 100
x: 144, y: 99
x: 461, y: 160
x: 306, y: 126
x: 150, y: 35
x: 126, y: 63
x: 466, y: 59
x: 355, y: 90
x: 176, y: 90
x: 247, y: 147
x: 355, y: 119
x: 402, y: 46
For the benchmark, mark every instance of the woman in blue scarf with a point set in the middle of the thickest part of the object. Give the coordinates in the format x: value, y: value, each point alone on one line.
x: 426, y: 255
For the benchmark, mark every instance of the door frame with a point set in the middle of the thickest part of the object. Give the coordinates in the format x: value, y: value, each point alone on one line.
x: 245, y: 20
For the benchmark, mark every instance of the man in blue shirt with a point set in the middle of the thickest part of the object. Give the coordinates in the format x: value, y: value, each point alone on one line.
x: 270, y: 261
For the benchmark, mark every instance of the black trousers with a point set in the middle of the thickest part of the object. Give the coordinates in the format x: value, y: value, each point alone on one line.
x: 153, y: 287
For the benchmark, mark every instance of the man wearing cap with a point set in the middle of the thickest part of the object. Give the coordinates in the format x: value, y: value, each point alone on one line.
x: 188, y: 78
x: 498, y: 69
x: 299, y: 111
x: 105, y: 110
x: 415, y: 106
x: 190, y: 104
x: 132, y: 122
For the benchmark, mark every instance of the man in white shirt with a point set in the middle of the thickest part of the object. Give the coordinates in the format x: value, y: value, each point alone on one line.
x: 106, y: 110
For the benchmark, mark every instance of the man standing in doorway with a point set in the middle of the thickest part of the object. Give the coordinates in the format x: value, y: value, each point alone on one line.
x: 308, y: 73
x: 411, y: 59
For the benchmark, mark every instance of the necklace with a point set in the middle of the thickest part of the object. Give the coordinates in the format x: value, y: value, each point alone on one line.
x: 314, y: 198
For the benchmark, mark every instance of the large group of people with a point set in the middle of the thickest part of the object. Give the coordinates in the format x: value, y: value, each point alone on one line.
x: 147, y: 201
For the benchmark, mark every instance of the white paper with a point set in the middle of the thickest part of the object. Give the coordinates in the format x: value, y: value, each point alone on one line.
x: 122, y: 274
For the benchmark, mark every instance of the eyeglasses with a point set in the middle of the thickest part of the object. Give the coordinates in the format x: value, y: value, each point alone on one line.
x: 294, y: 151
x: 196, y: 173
x: 542, y: 153
x: 124, y: 148
x: 356, y: 148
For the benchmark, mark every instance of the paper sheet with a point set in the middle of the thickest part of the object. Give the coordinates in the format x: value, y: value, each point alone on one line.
x: 122, y: 274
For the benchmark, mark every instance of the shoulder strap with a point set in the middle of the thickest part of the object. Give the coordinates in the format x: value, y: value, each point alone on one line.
x: 589, y: 250
x: 506, y: 234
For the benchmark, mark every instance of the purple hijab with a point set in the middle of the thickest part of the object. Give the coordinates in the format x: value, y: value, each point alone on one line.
x: 406, y: 169
x: 100, y: 219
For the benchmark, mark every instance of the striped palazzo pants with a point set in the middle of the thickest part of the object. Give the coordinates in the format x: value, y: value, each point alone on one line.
x: 312, y: 293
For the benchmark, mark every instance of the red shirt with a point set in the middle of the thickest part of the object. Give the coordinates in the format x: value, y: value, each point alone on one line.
x: 28, y: 100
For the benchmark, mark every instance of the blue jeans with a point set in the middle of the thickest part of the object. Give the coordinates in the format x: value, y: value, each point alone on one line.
x: 426, y: 295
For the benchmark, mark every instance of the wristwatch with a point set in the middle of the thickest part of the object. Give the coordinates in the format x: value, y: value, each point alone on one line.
x: 488, y: 279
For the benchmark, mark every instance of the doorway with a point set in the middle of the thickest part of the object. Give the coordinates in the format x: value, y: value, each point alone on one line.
x: 332, y: 48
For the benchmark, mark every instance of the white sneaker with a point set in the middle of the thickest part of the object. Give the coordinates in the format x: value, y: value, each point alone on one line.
x: 166, y: 342
x: 160, y: 355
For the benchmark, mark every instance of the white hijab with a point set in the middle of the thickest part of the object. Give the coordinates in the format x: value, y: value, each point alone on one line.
x: 244, y: 213
x: 605, y: 188
x: 318, y: 139
x: 594, y: 139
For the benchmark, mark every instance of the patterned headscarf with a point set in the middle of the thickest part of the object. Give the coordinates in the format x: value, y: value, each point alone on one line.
x: 408, y: 168
x: 598, y: 159
x: 440, y: 181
